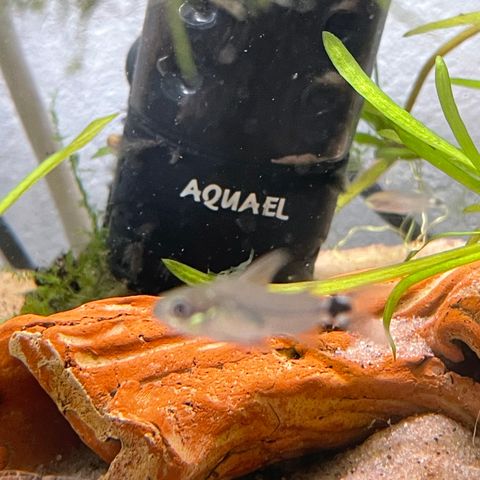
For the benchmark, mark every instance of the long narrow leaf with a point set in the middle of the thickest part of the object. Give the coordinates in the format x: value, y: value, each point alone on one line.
x: 472, y: 18
x: 396, y: 153
x: 466, y: 82
x: 188, y: 275
x: 460, y: 167
x: 363, y: 181
x: 390, y: 134
x: 374, y: 118
x: 378, y: 275
x: 417, y: 277
x: 439, y: 160
x: 475, y: 208
x: 192, y: 276
x: 85, y: 137
x: 450, y: 110
x: 367, y: 139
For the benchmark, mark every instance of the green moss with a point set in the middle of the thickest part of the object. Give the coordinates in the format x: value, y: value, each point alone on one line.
x: 71, y: 281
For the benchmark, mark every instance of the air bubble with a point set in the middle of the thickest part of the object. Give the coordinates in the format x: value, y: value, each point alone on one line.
x: 175, y: 88
x: 200, y: 19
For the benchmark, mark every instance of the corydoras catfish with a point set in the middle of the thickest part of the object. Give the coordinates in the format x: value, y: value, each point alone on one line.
x: 239, y: 307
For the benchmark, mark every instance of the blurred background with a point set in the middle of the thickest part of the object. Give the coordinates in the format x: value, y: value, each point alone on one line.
x: 78, y: 61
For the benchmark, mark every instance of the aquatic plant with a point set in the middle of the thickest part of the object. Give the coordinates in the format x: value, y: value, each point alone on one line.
x: 71, y: 280
x: 398, y: 135
x: 74, y: 280
x: 460, y: 163
x: 84, y: 138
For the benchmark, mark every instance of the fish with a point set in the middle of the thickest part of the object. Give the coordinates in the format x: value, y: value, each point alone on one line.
x: 303, y: 159
x: 402, y: 203
x: 239, y: 307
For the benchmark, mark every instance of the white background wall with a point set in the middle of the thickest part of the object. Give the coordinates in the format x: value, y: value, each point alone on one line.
x: 53, y: 40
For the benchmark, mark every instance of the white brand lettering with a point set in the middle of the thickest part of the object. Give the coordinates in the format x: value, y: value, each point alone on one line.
x: 280, y: 215
x: 192, y: 189
x: 230, y: 201
x: 211, y: 195
x: 250, y: 202
x: 269, y: 208
x: 214, y: 196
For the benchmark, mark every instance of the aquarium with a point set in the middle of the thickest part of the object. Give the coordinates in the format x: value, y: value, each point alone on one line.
x: 250, y: 248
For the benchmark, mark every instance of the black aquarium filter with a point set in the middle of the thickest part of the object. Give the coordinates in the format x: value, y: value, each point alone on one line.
x: 237, y: 134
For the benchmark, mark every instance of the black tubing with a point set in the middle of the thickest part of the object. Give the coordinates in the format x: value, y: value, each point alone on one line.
x: 12, y: 248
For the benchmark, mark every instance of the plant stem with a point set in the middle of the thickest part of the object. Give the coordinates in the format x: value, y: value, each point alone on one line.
x: 430, y: 63
x: 181, y: 43
x: 363, y: 181
x: 451, y: 113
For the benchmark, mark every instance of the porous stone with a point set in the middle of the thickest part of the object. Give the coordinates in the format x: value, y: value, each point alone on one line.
x: 159, y: 405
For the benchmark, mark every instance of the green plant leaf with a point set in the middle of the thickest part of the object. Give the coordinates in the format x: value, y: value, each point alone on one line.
x: 393, y: 148
x: 414, y: 134
x: 378, y: 275
x: 439, y: 160
x: 363, y: 181
x: 466, y: 82
x: 450, y: 110
x: 404, y: 284
x: 367, y: 139
x: 396, y: 153
x: 192, y: 276
x: 472, y: 18
x: 102, y: 152
x: 472, y: 208
x: 188, y: 275
x: 374, y: 118
x: 85, y: 137
x: 390, y: 134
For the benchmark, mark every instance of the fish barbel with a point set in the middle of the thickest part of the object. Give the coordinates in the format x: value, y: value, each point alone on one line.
x: 239, y: 308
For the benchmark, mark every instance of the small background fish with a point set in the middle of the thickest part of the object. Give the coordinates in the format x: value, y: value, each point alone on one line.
x: 402, y: 203
x: 239, y: 307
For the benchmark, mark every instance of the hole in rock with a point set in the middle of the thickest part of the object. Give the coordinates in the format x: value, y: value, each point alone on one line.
x: 470, y: 367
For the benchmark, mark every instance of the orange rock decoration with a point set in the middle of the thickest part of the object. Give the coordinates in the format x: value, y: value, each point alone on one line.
x: 161, y: 406
x: 454, y: 330
x: 32, y: 431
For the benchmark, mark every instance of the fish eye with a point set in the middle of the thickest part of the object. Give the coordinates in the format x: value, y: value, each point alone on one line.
x: 180, y: 308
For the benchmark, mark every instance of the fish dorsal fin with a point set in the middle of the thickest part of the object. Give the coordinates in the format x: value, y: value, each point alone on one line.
x: 262, y: 270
